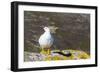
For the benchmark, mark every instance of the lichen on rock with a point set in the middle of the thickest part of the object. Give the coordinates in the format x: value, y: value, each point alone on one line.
x: 75, y: 55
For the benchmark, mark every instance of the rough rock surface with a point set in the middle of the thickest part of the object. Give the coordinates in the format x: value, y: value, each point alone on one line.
x: 75, y: 55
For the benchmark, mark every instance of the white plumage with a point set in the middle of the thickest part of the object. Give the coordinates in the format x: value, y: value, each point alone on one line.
x: 46, y: 39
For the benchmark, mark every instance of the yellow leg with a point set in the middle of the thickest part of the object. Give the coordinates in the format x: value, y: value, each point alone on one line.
x: 42, y: 51
x: 48, y: 52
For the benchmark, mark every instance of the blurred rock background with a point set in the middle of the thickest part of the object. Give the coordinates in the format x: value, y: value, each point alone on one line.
x: 73, y: 30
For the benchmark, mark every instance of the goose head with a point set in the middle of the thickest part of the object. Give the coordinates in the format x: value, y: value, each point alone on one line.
x: 51, y: 29
x: 46, y: 29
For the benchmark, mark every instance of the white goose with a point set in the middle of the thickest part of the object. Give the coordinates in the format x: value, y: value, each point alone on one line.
x: 46, y: 40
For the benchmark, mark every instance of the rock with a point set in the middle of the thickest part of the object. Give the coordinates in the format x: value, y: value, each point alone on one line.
x: 32, y: 56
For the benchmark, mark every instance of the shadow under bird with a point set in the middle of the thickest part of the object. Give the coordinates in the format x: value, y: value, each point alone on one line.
x: 61, y: 53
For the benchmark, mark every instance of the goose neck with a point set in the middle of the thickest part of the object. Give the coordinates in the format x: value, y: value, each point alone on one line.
x: 47, y: 32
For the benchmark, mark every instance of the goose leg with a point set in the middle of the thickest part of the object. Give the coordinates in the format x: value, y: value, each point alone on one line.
x: 48, y: 52
x: 42, y: 51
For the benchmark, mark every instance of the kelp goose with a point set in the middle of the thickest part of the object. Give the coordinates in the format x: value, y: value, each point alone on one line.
x: 46, y: 40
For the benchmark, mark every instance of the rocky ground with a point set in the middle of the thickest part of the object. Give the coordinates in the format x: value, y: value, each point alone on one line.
x: 55, y: 55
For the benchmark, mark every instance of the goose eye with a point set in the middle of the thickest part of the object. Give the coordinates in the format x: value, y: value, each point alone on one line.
x: 45, y: 28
